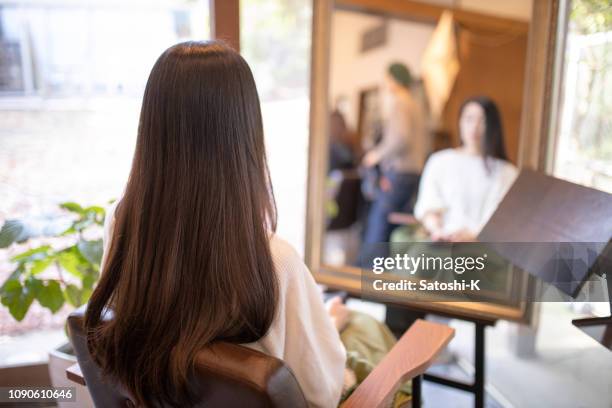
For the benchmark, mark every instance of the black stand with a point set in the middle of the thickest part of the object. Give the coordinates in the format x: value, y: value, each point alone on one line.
x: 400, y: 318
x: 599, y: 328
x: 478, y: 386
x: 416, y: 391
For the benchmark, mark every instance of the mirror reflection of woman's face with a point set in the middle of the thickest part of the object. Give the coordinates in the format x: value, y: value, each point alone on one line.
x: 472, y: 126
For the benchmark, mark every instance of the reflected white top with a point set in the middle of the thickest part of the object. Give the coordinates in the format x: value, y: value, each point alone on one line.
x: 458, y: 184
x: 302, y: 334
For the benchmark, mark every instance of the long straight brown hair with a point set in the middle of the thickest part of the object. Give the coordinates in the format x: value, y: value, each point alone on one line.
x: 189, y: 262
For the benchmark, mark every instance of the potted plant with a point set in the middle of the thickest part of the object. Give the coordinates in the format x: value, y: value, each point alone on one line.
x: 61, y: 269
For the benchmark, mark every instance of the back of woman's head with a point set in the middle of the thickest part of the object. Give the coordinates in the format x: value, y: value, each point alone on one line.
x: 189, y: 261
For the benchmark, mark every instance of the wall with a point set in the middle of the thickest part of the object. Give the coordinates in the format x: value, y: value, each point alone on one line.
x: 352, y: 71
x: 514, y: 9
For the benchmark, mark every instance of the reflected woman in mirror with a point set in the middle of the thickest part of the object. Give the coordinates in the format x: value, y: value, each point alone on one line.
x: 461, y: 187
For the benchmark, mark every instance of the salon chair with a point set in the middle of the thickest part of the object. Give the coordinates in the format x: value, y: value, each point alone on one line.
x: 229, y: 375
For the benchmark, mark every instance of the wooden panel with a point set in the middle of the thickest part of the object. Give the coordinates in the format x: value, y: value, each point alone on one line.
x: 74, y: 374
x: 318, y: 146
x: 420, y: 11
x: 578, y: 216
x: 544, y: 50
x: 22, y: 375
x: 225, y: 21
x: 492, y: 64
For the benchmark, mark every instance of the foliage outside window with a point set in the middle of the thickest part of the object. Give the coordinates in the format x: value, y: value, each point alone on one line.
x: 584, y: 145
x: 63, y: 269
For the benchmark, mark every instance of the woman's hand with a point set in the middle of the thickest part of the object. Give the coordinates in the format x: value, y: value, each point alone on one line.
x: 385, y: 184
x: 370, y: 159
x: 432, y: 221
x: 462, y: 235
x: 338, y: 312
x: 350, y: 379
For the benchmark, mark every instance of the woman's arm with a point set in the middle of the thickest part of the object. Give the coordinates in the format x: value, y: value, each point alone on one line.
x: 430, y: 205
x: 303, y: 335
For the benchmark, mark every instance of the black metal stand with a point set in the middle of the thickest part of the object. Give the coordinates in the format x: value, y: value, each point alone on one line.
x: 397, y: 317
x: 478, y: 386
x: 599, y: 328
x: 416, y: 391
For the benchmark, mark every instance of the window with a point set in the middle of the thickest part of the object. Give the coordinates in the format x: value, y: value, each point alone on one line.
x: 275, y: 41
x: 583, y: 150
x: 71, y: 83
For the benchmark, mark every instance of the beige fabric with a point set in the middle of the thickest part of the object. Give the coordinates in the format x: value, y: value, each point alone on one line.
x: 367, y: 341
x: 404, y: 145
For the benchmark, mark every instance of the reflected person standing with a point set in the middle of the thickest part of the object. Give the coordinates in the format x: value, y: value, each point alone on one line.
x: 400, y: 154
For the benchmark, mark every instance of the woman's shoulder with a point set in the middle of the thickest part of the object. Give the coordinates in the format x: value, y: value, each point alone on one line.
x: 442, y: 158
x: 447, y: 153
x: 286, y: 259
x: 506, y: 169
x: 109, y: 216
x: 281, y: 248
x: 504, y: 173
x: 111, y: 207
x: 291, y: 271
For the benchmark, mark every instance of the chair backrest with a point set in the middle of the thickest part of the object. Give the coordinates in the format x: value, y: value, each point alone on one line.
x: 226, y: 375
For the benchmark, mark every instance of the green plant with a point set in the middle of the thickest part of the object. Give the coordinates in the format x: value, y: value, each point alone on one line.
x: 47, y: 274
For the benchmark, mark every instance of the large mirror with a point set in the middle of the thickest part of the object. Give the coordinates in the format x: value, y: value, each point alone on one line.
x: 402, y: 92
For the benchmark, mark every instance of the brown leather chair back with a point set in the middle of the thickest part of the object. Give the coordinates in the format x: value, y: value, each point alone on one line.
x: 227, y: 375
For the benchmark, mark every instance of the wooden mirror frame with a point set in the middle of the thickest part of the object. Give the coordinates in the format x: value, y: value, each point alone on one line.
x: 543, y: 54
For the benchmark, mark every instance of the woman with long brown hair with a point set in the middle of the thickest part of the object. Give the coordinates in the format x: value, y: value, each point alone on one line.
x: 191, y: 256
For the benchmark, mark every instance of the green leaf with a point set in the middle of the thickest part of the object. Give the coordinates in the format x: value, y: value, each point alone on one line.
x: 73, y: 295
x: 11, y: 232
x: 17, y: 298
x: 69, y: 231
x: 72, y: 207
x: 89, y: 280
x: 49, y: 295
x: 71, y: 260
x: 13, y: 276
x: 33, y: 254
x: 40, y: 265
x: 80, y: 225
x: 91, y: 251
x: 85, y: 295
x: 97, y: 214
x: 95, y: 209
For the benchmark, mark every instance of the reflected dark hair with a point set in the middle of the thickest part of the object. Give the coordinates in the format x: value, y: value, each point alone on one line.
x: 493, y: 140
x: 401, y: 74
x: 189, y: 262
